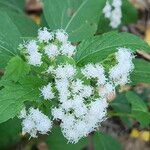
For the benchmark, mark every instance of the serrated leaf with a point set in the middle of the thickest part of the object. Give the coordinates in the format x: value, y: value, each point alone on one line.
x: 16, y: 69
x: 99, y: 47
x: 9, y: 39
x: 139, y: 108
x: 105, y: 142
x: 13, y: 96
x: 78, y: 17
x: 56, y: 141
x: 141, y: 72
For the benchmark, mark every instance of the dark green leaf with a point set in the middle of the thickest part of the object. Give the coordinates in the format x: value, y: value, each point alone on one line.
x: 56, y: 141
x: 10, y: 133
x: 139, y: 109
x: 105, y: 142
x: 99, y: 47
x: 78, y: 17
x: 121, y: 105
x: 141, y: 72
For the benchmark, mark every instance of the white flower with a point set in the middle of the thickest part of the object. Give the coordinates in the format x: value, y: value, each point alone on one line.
x: 119, y: 73
x: 62, y: 87
x: 106, y: 89
x: 107, y: 10
x: 113, y: 12
x: 51, y: 50
x: 65, y: 71
x: 67, y: 49
x: 58, y: 113
x: 61, y: 35
x: 31, y: 47
x: 95, y: 71
x: 35, y: 59
x: 87, y: 91
x: 44, y: 35
x: 117, y: 3
x: 36, y: 122
x: 47, y: 92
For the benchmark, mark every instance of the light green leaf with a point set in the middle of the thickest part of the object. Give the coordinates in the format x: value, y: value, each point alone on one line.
x: 105, y: 142
x: 141, y: 72
x: 16, y: 69
x: 139, y: 109
x: 56, y: 141
x: 78, y: 17
x: 9, y: 39
x: 99, y: 47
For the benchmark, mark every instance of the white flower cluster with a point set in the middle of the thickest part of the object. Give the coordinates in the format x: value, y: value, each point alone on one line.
x: 119, y: 74
x: 51, y: 49
x: 82, y: 93
x: 35, y: 122
x: 113, y: 12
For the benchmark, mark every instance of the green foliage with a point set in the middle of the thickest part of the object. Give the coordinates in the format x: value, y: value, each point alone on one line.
x: 9, y: 131
x: 9, y: 39
x: 13, y: 96
x: 25, y: 25
x: 129, y: 12
x: 105, y: 142
x: 15, y: 5
x: 99, y: 47
x: 122, y: 108
x: 13, y: 27
x: 79, y: 18
x: 141, y: 72
x: 139, y: 109
x: 16, y: 69
x: 56, y: 141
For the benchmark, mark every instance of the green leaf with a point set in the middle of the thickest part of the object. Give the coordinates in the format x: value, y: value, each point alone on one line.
x: 78, y: 17
x: 105, y: 142
x: 15, y: 5
x: 100, y: 47
x: 24, y: 24
x: 13, y: 96
x: 141, y: 72
x: 16, y: 69
x: 10, y: 133
x: 56, y: 141
x: 139, y: 109
x: 129, y: 13
x: 9, y: 39
x: 121, y: 106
